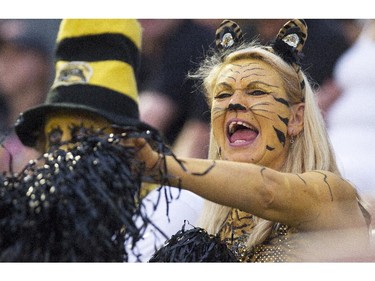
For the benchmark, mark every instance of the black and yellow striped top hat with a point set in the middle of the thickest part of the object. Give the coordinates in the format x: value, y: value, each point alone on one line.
x: 96, y: 65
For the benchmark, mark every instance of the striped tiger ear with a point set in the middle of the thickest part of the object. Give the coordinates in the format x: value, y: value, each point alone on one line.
x: 290, y: 41
x: 228, y: 34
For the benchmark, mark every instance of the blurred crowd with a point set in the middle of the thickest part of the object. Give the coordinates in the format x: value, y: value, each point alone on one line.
x: 26, y: 73
x: 339, y: 56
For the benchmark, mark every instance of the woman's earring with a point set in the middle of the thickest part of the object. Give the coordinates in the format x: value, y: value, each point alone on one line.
x: 292, y: 139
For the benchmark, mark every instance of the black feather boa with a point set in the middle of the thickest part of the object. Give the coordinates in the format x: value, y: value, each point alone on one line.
x: 75, y: 205
x: 194, y: 245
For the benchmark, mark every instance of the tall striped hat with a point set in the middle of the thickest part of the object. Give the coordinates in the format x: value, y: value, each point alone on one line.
x: 96, y: 64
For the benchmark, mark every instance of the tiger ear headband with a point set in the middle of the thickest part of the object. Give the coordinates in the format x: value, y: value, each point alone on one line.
x: 288, y: 43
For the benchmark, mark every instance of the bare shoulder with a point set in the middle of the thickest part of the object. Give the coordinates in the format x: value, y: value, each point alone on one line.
x: 337, y: 197
x: 328, y: 185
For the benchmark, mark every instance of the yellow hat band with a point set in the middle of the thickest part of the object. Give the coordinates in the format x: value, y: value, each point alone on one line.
x: 101, y: 73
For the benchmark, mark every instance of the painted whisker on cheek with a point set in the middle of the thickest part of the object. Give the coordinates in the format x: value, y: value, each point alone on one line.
x: 255, y: 110
x: 218, y: 111
x: 259, y: 104
x: 260, y: 115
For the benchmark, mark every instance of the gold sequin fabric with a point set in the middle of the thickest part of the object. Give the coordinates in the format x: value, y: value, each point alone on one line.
x: 278, y: 247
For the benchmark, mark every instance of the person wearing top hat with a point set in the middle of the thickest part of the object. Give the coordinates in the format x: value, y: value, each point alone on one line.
x: 80, y: 200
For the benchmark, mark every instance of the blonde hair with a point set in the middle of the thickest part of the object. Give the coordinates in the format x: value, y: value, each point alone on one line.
x: 311, y: 149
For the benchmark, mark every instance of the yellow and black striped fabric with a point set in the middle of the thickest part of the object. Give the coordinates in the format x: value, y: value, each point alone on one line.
x: 96, y: 64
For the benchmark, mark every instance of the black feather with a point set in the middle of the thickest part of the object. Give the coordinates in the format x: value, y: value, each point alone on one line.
x: 79, y: 204
x: 194, y: 245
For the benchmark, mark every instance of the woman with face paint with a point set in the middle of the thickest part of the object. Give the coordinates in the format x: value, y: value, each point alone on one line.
x: 273, y: 189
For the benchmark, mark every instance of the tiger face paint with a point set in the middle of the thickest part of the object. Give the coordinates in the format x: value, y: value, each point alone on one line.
x: 251, y: 114
x: 62, y: 127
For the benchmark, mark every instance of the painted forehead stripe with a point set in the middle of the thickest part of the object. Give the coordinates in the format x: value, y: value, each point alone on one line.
x: 250, y: 85
x: 256, y: 66
x: 244, y: 65
x: 250, y: 75
x: 239, y: 72
x: 257, y: 75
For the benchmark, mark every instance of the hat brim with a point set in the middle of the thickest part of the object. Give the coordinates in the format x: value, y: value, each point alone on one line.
x: 30, y: 124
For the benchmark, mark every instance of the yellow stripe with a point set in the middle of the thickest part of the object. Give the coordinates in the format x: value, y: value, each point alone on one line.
x: 115, y: 75
x: 130, y: 28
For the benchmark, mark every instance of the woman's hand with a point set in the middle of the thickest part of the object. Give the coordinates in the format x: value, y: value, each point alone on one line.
x: 147, y: 155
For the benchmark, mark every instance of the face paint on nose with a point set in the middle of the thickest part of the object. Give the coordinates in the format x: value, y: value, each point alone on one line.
x: 236, y: 106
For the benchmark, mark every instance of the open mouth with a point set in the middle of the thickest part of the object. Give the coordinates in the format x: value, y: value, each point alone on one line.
x: 240, y: 132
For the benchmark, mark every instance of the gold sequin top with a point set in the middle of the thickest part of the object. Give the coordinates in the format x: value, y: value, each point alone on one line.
x: 278, y: 247
x: 286, y: 244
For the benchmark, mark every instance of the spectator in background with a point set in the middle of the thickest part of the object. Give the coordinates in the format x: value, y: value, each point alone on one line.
x: 168, y: 101
x: 351, y: 119
x: 351, y: 29
x: 26, y: 71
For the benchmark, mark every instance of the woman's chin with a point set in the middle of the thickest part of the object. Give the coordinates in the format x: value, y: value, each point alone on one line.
x: 241, y: 157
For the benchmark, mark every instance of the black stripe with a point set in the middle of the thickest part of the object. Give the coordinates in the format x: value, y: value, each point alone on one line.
x: 100, y: 47
x: 113, y: 105
x: 281, y: 100
x: 284, y: 120
x: 280, y: 136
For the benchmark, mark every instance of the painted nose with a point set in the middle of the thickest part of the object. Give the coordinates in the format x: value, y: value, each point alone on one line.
x: 237, y: 101
x: 236, y: 106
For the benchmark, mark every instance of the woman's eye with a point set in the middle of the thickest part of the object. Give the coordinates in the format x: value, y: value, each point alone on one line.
x: 257, y: 93
x: 222, y: 96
